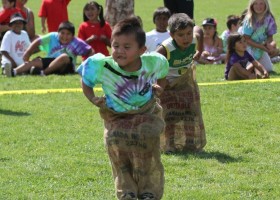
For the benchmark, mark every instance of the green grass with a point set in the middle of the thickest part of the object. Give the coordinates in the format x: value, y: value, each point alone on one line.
x: 51, y: 145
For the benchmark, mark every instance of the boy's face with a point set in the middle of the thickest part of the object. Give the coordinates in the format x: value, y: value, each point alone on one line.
x: 65, y: 36
x: 17, y: 26
x: 126, y: 51
x: 161, y: 22
x: 234, y: 28
x: 183, y: 37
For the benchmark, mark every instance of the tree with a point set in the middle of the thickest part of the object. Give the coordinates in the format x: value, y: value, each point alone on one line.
x: 116, y: 10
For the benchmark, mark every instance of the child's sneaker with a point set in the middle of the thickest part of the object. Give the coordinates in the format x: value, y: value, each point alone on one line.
x: 146, y: 196
x: 8, y: 70
x: 129, y: 196
x: 275, y: 59
x: 35, y: 71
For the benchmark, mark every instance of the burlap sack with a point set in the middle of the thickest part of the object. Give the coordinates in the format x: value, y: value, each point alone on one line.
x: 182, y: 114
x: 133, y: 144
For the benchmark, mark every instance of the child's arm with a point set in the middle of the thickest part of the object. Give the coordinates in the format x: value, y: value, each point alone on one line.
x: 31, y: 49
x: 43, y: 24
x: 219, y: 46
x: 261, y: 68
x: 162, y: 51
x: 106, y: 40
x: 254, y: 44
x: 30, y: 26
x: 4, y: 28
x: 198, y: 33
x: 89, y: 93
x: 159, y: 87
x: 7, y: 55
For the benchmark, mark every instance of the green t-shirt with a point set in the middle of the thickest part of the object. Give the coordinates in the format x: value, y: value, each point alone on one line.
x: 177, y: 58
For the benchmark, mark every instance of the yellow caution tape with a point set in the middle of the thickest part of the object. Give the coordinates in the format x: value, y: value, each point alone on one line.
x: 46, y: 91
x: 241, y: 81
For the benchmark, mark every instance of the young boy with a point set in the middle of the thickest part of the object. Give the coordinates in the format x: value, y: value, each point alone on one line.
x: 233, y: 23
x: 155, y: 37
x: 132, y: 116
x: 14, y: 44
x: 54, y: 12
x: 62, y: 49
x: 181, y: 99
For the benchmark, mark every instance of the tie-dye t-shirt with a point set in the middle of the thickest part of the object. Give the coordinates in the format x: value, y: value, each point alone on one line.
x: 124, y: 91
x: 51, y: 45
x: 259, y: 33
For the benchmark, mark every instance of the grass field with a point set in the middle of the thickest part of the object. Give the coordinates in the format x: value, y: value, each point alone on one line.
x: 51, y: 144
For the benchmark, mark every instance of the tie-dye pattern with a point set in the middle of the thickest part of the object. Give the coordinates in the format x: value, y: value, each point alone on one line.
x: 124, y: 91
x: 51, y: 45
x: 259, y: 33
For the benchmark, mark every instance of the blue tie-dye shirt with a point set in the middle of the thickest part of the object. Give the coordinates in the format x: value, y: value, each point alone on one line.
x: 51, y: 45
x: 124, y: 91
x: 259, y: 33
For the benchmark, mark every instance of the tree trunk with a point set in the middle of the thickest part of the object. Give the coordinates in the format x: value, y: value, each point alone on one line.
x: 116, y: 10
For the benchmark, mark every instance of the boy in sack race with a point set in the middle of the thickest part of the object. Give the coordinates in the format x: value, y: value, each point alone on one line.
x: 180, y: 100
x: 132, y: 116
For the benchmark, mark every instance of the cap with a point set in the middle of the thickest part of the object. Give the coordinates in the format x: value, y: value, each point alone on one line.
x: 209, y: 22
x: 17, y: 17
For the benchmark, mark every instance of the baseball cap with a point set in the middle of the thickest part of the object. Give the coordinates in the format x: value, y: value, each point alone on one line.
x: 209, y: 22
x: 17, y: 17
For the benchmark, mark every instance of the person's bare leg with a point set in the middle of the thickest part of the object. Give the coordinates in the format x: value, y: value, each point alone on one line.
x: 37, y: 62
x: 58, y: 64
x: 239, y: 73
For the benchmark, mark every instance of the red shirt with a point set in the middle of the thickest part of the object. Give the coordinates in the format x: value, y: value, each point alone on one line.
x: 55, y: 11
x: 88, y: 29
x: 5, y: 15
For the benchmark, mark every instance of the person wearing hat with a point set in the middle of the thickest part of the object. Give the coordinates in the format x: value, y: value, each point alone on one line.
x: 212, y: 44
x: 14, y: 44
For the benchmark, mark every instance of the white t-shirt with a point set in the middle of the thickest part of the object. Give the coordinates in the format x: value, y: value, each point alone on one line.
x: 15, y: 45
x: 154, y: 39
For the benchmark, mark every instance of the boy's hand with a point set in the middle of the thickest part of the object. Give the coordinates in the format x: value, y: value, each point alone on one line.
x: 98, y: 101
x: 158, y: 90
x: 26, y: 57
x: 197, y: 56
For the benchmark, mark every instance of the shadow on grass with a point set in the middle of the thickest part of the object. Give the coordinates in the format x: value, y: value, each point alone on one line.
x: 13, y: 113
x: 273, y: 73
x: 221, y: 157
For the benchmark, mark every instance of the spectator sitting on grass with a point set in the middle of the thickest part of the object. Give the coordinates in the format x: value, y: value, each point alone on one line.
x: 233, y: 26
x: 237, y: 67
x: 62, y: 49
x: 13, y: 45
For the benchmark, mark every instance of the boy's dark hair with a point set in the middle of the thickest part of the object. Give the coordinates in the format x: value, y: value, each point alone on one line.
x: 13, y: 1
x: 179, y: 21
x: 232, y: 39
x: 98, y: 6
x: 232, y: 20
x: 130, y: 25
x: 161, y: 11
x: 67, y: 26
